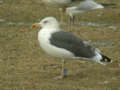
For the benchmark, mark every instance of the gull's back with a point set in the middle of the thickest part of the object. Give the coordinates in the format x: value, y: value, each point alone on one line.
x: 88, y: 5
x: 57, y: 2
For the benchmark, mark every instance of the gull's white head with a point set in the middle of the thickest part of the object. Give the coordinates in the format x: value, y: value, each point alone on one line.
x: 49, y: 22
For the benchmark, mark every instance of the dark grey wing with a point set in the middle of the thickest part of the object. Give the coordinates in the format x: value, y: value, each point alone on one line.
x: 72, y: 43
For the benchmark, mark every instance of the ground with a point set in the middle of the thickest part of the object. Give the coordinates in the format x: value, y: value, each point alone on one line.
x: 24, y: 66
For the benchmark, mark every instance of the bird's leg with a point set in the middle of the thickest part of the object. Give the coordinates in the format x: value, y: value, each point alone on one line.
x: 63, y: 71
x: 62, y: 11
x: 72, y: 18
x: 61, y: 14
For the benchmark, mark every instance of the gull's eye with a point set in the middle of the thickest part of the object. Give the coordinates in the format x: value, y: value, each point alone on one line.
x: 45, y: 21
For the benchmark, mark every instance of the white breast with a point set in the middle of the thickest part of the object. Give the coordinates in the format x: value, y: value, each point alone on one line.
x: 43, y: 37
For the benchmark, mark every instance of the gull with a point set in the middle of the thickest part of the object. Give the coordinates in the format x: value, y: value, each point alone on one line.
x: 65, y: 45
x: 84, y: 6
x: 61, y: 4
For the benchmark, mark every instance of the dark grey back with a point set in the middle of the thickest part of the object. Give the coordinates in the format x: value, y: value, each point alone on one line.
x: 72, y: 43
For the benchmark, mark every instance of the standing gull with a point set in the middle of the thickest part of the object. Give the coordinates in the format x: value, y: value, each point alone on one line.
x: 58, y: 43
x: 84, y: 6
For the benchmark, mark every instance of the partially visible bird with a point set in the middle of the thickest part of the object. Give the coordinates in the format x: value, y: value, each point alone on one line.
x: 84, y: 6
x: 1, y: 1
x: 60, y: 4
x: 65, y: 45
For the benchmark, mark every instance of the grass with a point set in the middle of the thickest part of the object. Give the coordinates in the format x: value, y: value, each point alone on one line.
x: 24, y: 66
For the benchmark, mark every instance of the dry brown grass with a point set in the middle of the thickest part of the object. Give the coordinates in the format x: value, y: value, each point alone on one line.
x: 24, y: 66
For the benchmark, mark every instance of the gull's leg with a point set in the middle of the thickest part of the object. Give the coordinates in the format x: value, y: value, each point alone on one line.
x: 61, y: 14
x: 63, y: 71
x: 72, y: 19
